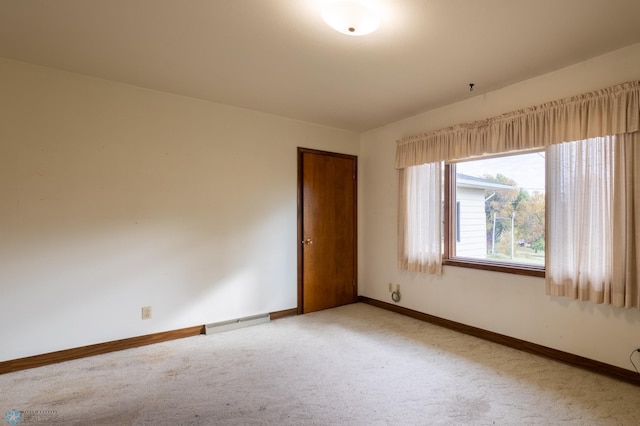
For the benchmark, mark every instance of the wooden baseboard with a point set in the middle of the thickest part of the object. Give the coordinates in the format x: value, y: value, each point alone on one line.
x: 283, y: 314
x: 97, y: 349
x: 116, y: 345
x: 565, y: 357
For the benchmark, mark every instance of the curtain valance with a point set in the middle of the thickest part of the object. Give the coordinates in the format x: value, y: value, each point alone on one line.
x: 611, y: 111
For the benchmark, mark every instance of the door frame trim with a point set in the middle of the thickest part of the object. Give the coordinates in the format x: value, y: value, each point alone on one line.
x: 300, y: 233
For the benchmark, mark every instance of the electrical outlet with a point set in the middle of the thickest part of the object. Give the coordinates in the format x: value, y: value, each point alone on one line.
x: 390, y: 287
x: 146, y: 312
x: 398, y: 288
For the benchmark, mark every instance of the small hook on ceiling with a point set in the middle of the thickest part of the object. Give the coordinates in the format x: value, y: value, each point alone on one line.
x: 471, y: 85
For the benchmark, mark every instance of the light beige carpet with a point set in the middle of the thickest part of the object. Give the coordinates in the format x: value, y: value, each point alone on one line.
x: 354, y: 365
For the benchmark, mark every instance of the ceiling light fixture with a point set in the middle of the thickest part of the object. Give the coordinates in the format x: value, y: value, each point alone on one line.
x: 351, y: 17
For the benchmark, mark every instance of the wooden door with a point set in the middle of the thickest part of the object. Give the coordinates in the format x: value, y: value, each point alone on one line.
x: 327, y: 223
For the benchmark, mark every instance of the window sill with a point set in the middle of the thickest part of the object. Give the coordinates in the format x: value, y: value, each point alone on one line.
x: 509, y: 268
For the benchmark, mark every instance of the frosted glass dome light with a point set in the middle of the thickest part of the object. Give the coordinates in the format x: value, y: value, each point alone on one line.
x: 351, y: 18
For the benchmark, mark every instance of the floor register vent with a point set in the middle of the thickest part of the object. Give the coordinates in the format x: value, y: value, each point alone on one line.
x: 218, y: 327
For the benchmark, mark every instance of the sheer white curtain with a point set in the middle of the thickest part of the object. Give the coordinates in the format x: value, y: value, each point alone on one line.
x: 420, y: 218
x: 625, y: 290
x: 580, y: 182
x: 593, y: 219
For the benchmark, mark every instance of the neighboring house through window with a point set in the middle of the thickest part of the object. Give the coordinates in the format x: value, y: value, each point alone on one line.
x: 472, y: 193
x: 496, y: 212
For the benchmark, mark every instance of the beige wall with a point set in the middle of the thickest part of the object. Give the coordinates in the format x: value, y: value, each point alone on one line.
x: 504, y: 303
x: 115, y: 197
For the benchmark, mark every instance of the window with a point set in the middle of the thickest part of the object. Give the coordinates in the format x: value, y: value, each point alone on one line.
x: 592, y: 239
x: 496, y: 213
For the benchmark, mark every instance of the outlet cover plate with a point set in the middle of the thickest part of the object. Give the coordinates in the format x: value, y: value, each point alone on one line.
x: 146, y: 312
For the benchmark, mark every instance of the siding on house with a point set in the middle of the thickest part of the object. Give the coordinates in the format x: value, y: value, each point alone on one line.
x: 470, y: 194
x: 472, y: 241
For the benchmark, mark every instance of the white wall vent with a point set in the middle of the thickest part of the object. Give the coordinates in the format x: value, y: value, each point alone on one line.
x: 218, y: 327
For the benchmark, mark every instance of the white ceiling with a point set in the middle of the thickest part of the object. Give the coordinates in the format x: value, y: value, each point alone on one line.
x: 278, y: 56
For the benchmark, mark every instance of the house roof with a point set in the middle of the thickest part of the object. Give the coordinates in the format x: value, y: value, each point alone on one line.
x: 278, y: 56
x: 466, y: 181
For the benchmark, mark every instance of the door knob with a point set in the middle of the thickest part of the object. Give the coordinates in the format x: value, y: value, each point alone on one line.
x: 307, y: 241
